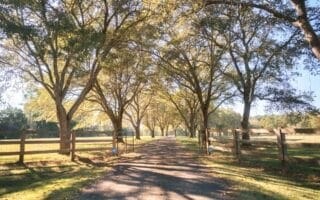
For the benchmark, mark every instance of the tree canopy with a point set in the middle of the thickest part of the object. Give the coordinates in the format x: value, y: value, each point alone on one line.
x: 160, y: 64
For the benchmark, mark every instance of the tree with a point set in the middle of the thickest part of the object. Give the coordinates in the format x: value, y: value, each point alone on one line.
x: 301, y: 16
x: 12, y: 121
x: 163, y: 116
x: 225, y: 119
x: 40, y: 106
x: 58, y: 42
x: 123, y: 77
x: 192, y: 60
x: 259, y: 62
x: 137, y: 110
x: 150, y: 119
x: 187, y: 105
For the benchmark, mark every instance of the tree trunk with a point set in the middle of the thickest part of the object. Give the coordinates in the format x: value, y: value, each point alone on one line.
x: 192, y: 130
x: 162, y: 131
x: 137, y: 129
x: 245, y: 120
x: 117, y: 125
x: 64, y: 129
x: 152, y: 133
x: 167, y: 131
x: 205, y: 126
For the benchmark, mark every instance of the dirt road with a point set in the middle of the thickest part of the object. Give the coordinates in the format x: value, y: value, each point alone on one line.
x: 164, y: 170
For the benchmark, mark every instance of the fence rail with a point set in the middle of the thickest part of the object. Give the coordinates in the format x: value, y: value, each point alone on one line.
x: 75, y: 145
x: 274, y: 146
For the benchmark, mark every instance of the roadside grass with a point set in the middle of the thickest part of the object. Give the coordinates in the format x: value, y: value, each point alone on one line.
x: 260, y: 174
x: 53, y: 176
x: 46, y: 180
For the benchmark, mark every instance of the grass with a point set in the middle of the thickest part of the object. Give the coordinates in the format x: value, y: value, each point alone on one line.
x: 260, y: 175
x: 46, y: 180
x: 53, y: 176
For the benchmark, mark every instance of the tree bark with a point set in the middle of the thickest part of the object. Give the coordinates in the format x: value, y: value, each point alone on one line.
x: 205, y: 125
x: 137, y: 130
x: 192, y: 130
x: 152, y: 133
x: 117, y: 125
x: 245, y: 120
x: 162, y: 131
x: 64, y: 129
x: 303, y: 24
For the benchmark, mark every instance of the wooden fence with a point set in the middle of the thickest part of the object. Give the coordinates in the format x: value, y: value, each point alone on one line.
x: 236, y: 144
x: 74, y: 142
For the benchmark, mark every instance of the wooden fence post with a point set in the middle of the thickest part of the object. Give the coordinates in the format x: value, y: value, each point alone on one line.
x: 133, y: 143
x: 199, y: 141
x: 282, y: 146
x: 22, y: 147
x: 236, y: 145
x: 125, y: 137
x: 207, y: 141
x: 117, y: 146
x: 73, y: 145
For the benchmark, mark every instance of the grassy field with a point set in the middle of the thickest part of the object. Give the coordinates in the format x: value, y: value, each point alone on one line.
x: 52, y: 176
x: 260, y: 174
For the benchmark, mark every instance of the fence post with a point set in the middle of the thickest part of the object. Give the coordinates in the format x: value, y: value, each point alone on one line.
x: 133, y: 143
x: 282, y: 146
x: 126, y: 142
x: 207, y: 141
x: 22, y: 147
x: 117, y: 146
x: 73, y: 145
x: 199, y: 141
x: 236, y: 145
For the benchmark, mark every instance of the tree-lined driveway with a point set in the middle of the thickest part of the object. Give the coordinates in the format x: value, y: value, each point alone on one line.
x: 165, y: 170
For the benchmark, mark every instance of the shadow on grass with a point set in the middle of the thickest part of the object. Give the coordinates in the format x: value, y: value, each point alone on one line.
x: 65, y: 175
x: 260, y: 164
x: 302, y: 174
x: 30, y: 177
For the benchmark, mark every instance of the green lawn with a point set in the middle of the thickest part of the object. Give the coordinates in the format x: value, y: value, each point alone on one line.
x: 260, y: 175
x: 52, y: 176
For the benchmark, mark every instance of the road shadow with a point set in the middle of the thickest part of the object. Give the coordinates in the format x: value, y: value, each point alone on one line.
x: 163, y: 171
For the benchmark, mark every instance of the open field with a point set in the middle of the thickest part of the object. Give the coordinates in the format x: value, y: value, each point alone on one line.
x: 52, y: 176
x: 260, y: 175
x: 291, y: 139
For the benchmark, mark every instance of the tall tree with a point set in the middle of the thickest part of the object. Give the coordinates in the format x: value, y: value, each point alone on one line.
x: 57, y: 42
x: 163, y: 116
x: 137, y: 110
x: 192, y: 60
x: 259, y: 61
x: 187, y: 105
x: 122, y: 79
x: 150, y: 119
